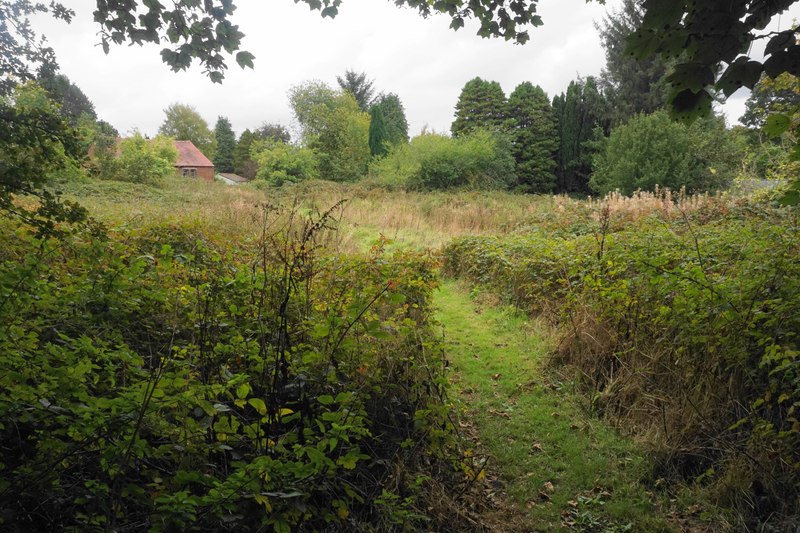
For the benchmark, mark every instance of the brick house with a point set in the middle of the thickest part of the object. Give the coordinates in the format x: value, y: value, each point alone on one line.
x: 191, y: 162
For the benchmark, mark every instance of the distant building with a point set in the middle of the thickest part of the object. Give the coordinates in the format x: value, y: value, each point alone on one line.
x: 191, y: 162
x: 229, y: 178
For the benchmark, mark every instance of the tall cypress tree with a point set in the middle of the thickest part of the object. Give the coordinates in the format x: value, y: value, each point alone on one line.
x: 226, y: 144
x: 578, y: 113
x: 481, y: 105
x: 394, y: 117
x: 377, y: 132
x: 532, y: 128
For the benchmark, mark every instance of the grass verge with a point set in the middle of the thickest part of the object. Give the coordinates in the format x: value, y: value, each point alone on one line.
x: 559, y: 468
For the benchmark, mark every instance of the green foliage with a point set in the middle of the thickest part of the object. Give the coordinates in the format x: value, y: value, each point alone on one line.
x: 334, y: 127
x: 683, y: 330
x: 225, y: 140
x: 481, y: 106
x: 269, y: 131
x: 183, y: 123
x: 72, y: 101
x: 780, y: 95
x: 158, y: 380
x: 578, y: 112
x: 144, y: 161
x: 243, y: 163
x: 632, y: 85
x: 377, y: 133
x: 532, y: 130
x: 280, y: 163
x: 394, y: 117
x: 359, y: 87
x: 36, y: 147
x: 432, y: 161
x: 652, y: 150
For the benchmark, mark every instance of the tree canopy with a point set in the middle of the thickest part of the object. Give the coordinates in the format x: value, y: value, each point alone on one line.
x: 394, y: 118
x: 532, y: 130
x: 226, y: 144
x: 357, y: 84
x: 481, y: 106
x: 183, y: 123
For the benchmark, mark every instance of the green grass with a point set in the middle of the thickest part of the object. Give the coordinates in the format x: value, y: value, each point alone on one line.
x: 534, y: 431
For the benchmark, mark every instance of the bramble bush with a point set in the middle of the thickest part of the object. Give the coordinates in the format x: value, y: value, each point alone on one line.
x: 683, y: 329
x: 155, y: 379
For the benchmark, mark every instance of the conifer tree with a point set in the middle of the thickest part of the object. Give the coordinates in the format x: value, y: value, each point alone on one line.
x: 394, y: 117
x: 533, y: 135
x: 357, y: 84
x: 481, y: 105
x: 377, y: 132
x: 632, y: 85
x: 578, y: 112
x: 243, y: 163
x: 226, y: 144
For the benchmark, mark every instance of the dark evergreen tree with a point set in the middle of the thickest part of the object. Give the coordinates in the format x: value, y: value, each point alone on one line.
x: 72, y: 100
x: 270, y: 131
x: 377, y: 132
x: 481, y: 105
x: 243, y: 163
x: 578, y: 113
x: 357, y: 84
x: 632, y: 86
x: 226, y: 144
x: 394, y: 117
x: 532, y: 129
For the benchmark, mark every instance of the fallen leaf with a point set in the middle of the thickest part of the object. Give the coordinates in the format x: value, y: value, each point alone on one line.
x: 549, y: 487
x: 536, y: 446
x: 555, y: 415
x: 496, y: 376
x: 544, y: 496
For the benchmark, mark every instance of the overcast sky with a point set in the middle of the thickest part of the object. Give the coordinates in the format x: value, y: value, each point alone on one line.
x: 421, y: 60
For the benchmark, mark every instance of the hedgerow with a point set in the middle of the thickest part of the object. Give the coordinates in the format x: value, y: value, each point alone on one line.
x: 157, y: 379
x: 682, y: 329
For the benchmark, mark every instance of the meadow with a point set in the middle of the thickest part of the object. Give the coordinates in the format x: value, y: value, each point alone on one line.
x: 341, y: 356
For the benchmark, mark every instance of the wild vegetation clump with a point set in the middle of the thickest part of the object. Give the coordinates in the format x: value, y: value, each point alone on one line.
x: 161, y: 378
x: 682, y: 329
x: 431, y: 161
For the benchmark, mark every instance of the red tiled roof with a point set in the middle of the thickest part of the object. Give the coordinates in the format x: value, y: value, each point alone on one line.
x: 190, y: 156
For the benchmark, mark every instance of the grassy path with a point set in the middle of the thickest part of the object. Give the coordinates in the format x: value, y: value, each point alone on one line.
x: 559, y: 468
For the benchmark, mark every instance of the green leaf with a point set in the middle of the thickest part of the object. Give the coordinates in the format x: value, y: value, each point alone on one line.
x: 687, y: 105
x: 738, y: 74
x: 692, y: 76
x: 660, y: 14
x: 242, y: 391
x: 259, y: 405
x: 325, y: 399
x: 245, y: 59
x: 776, y: 125
x: 780, y: 42
x: 330, y: 11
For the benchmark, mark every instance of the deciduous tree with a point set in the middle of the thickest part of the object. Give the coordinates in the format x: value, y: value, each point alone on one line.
x: 183, y: 123
x: 243, y: 163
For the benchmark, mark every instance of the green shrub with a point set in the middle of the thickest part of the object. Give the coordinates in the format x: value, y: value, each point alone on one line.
x: 156, y: 380
x: 144, y: 160
x: 432, y: 161
x: 653, y: 150
x: 280, y: 163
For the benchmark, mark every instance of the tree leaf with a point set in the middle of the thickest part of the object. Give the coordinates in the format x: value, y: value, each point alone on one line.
x: 245, y: 59
x: 777, y: 125
x: 259, y: 405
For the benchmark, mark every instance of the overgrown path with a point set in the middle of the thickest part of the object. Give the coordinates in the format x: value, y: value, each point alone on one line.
x: 556, y: 466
